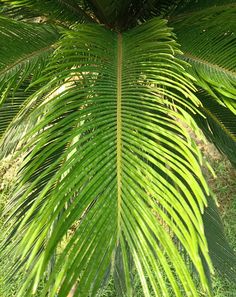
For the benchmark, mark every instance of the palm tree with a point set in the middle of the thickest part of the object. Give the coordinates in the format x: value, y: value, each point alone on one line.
x: 99, y: 97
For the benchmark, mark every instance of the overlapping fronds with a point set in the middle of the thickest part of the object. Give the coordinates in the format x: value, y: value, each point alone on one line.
x: 25, y: 50
x: 111, y: 160
x: 66, y: 11
x: 208, y: 40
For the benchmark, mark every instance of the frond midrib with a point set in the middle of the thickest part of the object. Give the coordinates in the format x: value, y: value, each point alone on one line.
x: 203, y: 10
x: 25, y: 58
x: 222, y: 126
x: 212, y: 65
x: 119, y: 127
x: 79, y: 10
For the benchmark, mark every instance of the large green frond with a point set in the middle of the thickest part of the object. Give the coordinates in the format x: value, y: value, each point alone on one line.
x: 208, y: 42
x: 111, y: 160
x: 25, y: 50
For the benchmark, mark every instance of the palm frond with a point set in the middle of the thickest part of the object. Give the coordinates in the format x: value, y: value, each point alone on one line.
x: 219, y: 125
x: 25, y: 50
x: 66, y: 11
x: 222, y: 255
x: 21, y: 44
x: 190, y: 7
x: 18, y: 13
x: 208, y: 43
x: 111, y: 159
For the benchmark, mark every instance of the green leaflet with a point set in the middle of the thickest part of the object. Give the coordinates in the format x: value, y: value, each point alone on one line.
x: 111, y: 159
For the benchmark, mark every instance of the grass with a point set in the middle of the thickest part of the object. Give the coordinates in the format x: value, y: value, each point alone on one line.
x: 224, y: 186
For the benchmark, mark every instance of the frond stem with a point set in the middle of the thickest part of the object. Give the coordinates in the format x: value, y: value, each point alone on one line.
x: 222, y: 126
x: 26, y: 58
x: 195, y: 59
x: 119, y: 127
x: 203, y: 10
x: 79, y: 10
